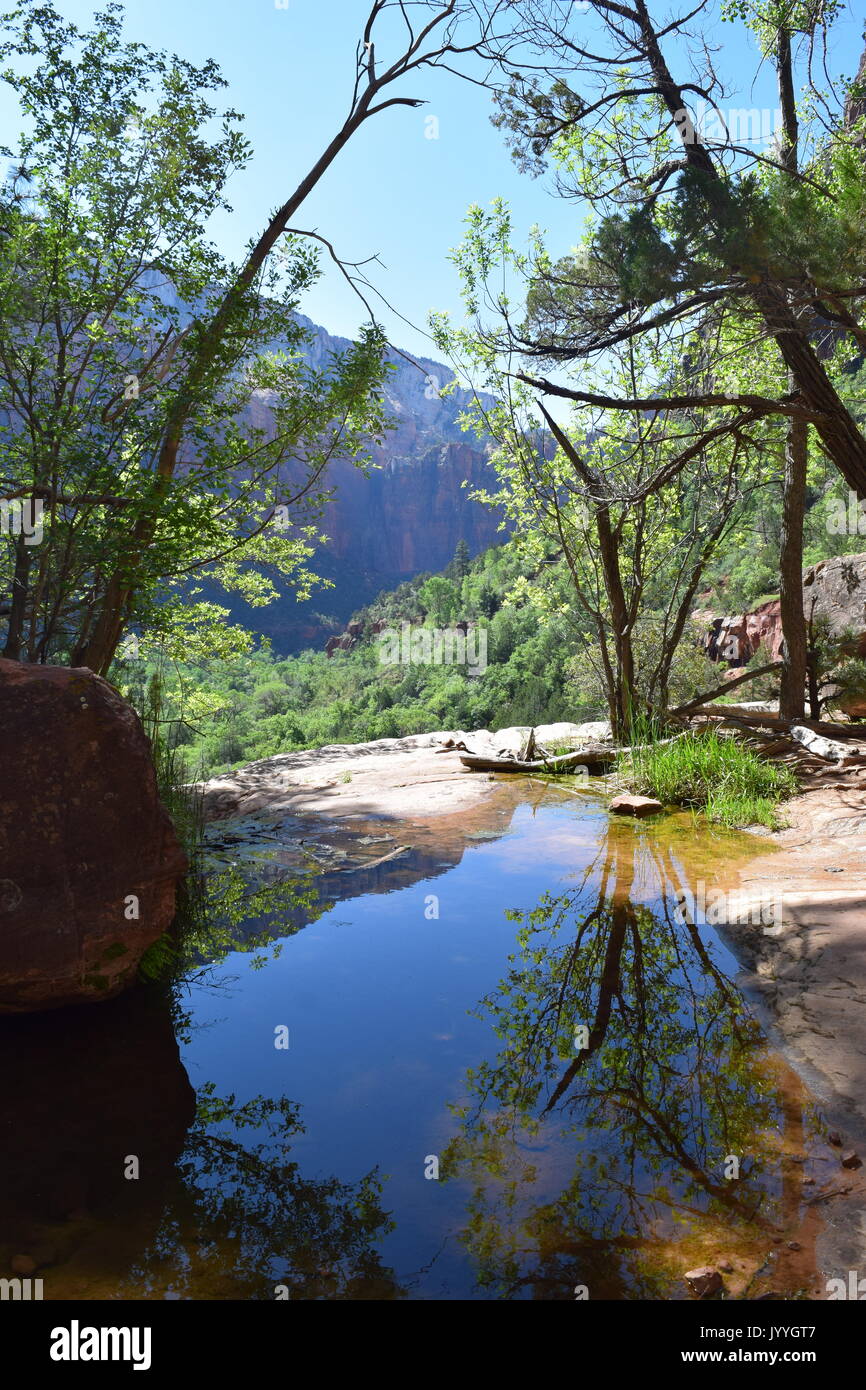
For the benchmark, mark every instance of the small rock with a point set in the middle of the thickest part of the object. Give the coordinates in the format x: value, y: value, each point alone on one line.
x: 726, y: 1267
x: 835, y: 1139
x: 704, y: 1281
x: 851, y: 1160
x: 23, y: 1264
x: 794, y: 1245
x: 808, y: 1182
x: 635, y: 806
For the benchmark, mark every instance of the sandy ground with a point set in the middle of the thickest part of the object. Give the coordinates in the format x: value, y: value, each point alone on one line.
x: 810, y: 963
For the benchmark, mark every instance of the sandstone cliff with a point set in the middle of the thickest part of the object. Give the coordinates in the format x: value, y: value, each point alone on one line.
x: 405, y: 517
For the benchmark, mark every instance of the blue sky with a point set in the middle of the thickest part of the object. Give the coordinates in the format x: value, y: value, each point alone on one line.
x: 393, y: 192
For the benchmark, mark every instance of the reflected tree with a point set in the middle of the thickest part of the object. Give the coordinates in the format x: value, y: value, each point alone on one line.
x: 242, y: 1222
x: 622, y: 1040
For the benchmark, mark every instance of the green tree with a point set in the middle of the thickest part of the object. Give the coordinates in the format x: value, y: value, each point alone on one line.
x: 684, y: 222
x: 103, y: 247
x: 128, y: 347
x: 459, y: 567
x: 439, y: 597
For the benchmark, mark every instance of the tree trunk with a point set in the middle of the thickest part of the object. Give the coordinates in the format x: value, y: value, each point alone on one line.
x: 15, y: 630
x: 812, y: 668
x: 619, y: 617
x: 795, y: 655
x: 793, y: 684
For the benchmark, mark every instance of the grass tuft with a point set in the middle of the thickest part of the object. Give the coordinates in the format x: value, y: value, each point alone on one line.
x: 716, y: 774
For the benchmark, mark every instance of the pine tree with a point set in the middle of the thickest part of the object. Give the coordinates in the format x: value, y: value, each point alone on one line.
x: 459, y: 567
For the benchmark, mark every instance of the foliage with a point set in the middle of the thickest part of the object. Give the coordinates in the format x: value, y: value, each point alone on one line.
x: 118, y: 354
x: 713, y: 773
x: 225, y: 712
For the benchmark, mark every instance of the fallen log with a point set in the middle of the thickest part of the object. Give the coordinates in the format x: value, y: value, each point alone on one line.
x: 374, y: 863
x: 775, y: 721
x: 828, y: 749
x: 727, y: 685
x: 593, y: 756
x: 771, y: 748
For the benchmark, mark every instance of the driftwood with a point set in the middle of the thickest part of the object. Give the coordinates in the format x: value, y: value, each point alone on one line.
x: 726, y: 686
x: 754, y: 719
x: 594, y: 755
x: 805, y: 743
x: 374, y: 863
x: 829, y: 749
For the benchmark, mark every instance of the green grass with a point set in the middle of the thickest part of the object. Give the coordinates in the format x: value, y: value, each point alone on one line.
x: 718, y: 775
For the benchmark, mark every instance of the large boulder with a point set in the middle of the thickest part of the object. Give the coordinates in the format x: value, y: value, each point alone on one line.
x: 834, y: 591
x: 88, y: 856
x: 736, y: 638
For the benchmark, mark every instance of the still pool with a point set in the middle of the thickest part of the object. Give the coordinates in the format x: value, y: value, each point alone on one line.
x: 495, y: 1065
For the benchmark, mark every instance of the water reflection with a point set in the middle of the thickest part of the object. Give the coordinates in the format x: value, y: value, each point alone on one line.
x: 241, y: 1221
x: 622, y: 1039
x: 217, y: 1208
x: 81, y: 1091
x: 603, y: 1165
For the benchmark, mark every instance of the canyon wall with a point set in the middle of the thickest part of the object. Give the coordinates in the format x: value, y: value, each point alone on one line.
x: 405, y: 517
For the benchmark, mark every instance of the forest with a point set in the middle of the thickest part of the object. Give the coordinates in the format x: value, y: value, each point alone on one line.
x: 673, y: 407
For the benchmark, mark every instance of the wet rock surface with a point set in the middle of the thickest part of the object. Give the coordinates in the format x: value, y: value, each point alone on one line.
x: 806, y: 966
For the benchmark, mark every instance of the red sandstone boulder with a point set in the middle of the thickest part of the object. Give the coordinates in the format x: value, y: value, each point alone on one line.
x: 736, y: 639
x: 88, y: 856
x: 834, y: 593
